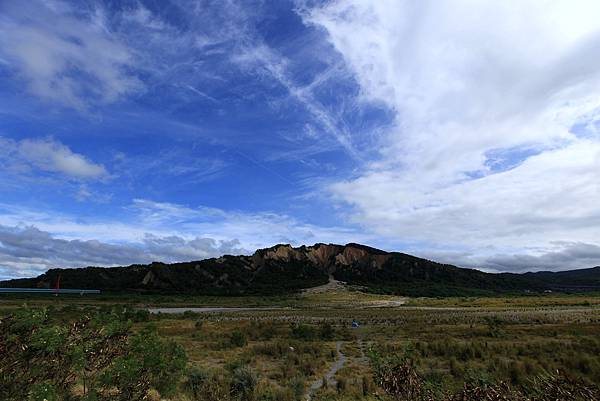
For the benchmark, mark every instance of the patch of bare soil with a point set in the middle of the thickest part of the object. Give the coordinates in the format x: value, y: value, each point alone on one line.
x: 332, y: 286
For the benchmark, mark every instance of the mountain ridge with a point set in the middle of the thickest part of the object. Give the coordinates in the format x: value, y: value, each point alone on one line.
x: 283, y: 268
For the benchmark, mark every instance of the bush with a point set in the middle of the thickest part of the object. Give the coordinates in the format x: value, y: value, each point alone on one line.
x: 243, y: 384
x: 238, y: 339
x: 494, y: 326
x: 150, y: 362
x: 43, y: 360
x: 367, y: 386
x: 197, y: 382
x: 326, y: 331
x: 55, y: 356
x: 297, y: 387
x: 341, y: 385
x: 303, y: 332
x: 43, y: 392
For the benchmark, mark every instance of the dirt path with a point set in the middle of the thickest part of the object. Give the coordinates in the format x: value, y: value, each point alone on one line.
x: 329, y: 376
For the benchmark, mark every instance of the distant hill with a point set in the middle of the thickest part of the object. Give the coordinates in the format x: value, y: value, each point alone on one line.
x: 569, y: 280
x: 283, y: 269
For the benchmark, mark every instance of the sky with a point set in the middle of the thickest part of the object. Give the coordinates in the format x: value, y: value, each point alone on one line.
x: 463, y: 131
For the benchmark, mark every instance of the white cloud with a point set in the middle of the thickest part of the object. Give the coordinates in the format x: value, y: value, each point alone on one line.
x: 52, y: 156
x: 48, y: 155
x: 63, y: 58
x: 483, y: 153
x: 180, y: 249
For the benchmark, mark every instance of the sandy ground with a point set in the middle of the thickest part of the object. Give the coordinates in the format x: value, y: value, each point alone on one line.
x: 339, y: 287
x: 332, y: 286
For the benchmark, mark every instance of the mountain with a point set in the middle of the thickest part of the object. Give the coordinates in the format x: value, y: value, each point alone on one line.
x: 283, y: 269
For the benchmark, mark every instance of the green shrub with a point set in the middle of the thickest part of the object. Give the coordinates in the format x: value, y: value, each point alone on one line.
x: 43, y: 392
x: 243, y: 384
x: 326, y: 331
x: 149, y: 363
x: 238, y: 339
x: 98, y: 350
x: 197, y: 382
x: 303, y: 332
x: 297, y: 388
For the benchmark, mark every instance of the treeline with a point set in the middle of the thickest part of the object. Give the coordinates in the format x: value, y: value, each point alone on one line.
x: 228, y: 276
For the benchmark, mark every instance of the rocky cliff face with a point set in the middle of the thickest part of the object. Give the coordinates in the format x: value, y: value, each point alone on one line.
x: 325, y: 256
x: 320, y: 255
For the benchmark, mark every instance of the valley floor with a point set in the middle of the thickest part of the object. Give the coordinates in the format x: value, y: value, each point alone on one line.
x: 305, y: 346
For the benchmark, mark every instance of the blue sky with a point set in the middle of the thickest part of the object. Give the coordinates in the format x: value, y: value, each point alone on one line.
x: 133, y: 131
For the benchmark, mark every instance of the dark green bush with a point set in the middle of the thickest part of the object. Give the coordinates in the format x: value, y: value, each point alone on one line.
x: 197, y: 382
x: 243, y: 384
x: 326, y: 331
x: 150, y: 362
x: 303, y: 332
x: 43, y: 392
x: 98, y: 350
x: 238, y: 339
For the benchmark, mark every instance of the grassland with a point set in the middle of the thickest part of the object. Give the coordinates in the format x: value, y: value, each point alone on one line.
x: 284, y: 350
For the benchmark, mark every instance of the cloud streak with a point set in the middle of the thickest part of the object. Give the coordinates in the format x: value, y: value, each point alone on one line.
x: 63, y: 58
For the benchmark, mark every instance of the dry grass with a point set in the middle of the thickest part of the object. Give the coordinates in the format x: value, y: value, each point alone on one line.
x: 451, y: 341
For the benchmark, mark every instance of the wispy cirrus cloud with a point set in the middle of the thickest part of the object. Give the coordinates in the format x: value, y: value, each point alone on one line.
x: 64, y: 57
x: 262, y: 58
x: 85, y: 57
x: 253, y: 230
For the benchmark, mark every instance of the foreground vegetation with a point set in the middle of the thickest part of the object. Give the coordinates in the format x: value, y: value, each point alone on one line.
x: 519, y: 348
x: 95, y: 357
